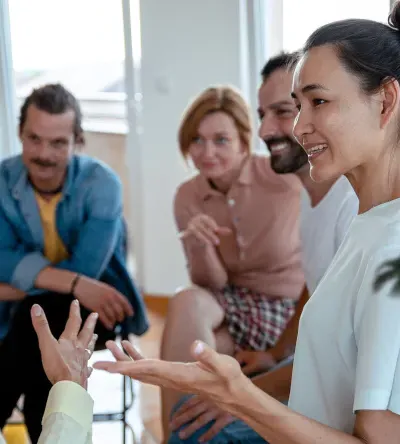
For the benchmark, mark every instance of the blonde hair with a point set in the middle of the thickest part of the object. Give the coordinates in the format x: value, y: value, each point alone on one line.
x: 225, y: 99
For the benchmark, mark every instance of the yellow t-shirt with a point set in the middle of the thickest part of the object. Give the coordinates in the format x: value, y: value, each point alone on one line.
x: 54, y: 248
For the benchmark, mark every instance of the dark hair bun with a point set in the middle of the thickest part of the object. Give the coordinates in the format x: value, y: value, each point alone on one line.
x: 394, y: 17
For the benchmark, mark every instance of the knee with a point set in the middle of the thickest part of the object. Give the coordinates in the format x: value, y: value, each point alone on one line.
x: 188, y: 302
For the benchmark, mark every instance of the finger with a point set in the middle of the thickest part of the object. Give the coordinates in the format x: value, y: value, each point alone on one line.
x: 74, y: 322
x: 198, y: 423
x: 106, y: 319
x: 224, y: 231
x: 92, y: 344
x: 209, y: 223
x: 89, y: 372
x: 118, y: 354
x: 116, y: 307
x: 189, y: 415
x: 187, y: 405
x: 132, y: 351
x: 250, y: 368
x: 208, y: 357
x: 215, y: 429
x: 241, y: 357
x: 198, y: 234
x: 125, y: 306
x: 209, y: 233
x: 86, y: 334
x: 41, y: 326
x: 149, y: 371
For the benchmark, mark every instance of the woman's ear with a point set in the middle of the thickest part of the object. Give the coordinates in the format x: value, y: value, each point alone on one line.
x: 390, y: 96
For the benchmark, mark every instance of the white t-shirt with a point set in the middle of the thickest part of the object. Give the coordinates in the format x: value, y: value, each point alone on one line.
x: 348, y: 350
x: 322, y: 228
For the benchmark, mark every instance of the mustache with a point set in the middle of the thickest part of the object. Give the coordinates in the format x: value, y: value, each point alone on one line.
x: 43, y: 163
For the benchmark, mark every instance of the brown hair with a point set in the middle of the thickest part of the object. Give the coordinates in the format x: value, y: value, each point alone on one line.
x: 54, y: 99
x: 218, y: 98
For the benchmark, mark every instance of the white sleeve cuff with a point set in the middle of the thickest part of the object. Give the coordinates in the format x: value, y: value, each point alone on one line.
x: 371, y: 400
x: 72, y: 400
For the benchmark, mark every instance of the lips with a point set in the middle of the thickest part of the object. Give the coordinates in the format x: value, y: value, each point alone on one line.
x: 316, y: 150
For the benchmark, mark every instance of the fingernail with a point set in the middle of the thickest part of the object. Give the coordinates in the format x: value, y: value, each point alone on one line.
x: 76, y: 302
x: 199, y: 347
x: 37, y: 310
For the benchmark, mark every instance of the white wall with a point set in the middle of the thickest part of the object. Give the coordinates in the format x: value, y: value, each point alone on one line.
x: 187, y: 45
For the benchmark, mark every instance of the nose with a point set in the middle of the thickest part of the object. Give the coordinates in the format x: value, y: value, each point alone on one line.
x: 302, y: 125
x: 43, y: 150
x: 209, y: 149
x: 269, y: 127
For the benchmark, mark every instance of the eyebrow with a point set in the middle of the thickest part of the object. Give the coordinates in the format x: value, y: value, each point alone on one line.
x: 308, y: 88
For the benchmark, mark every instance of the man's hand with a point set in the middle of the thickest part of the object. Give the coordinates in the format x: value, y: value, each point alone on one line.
x: 99, y: 297
x: 255, y: 361
x: 67, y: 358
x: 201, y: 412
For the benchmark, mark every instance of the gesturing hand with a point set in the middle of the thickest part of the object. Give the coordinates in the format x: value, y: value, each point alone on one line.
x: 205, y: 230
x: 67, y: 358
x: 214, y: 375
x: 199, y: 412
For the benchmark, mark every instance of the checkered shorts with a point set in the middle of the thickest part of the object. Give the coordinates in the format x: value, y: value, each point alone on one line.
x: 254, y: 320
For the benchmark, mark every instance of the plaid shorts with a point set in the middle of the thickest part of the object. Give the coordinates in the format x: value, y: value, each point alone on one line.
x: 254, y: 320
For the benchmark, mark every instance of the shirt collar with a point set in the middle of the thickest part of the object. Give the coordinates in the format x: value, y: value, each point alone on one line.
x: 245, y: 178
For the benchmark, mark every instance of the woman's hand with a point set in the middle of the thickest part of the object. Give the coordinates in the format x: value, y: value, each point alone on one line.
x: 215, y: 376
x: 205, y: 230
x: 66, y: 359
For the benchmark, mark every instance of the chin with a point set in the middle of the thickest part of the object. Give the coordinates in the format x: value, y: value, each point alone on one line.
x: 321, y: 174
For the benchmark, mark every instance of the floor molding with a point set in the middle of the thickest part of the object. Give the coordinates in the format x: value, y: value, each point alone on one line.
x: 157, y: 303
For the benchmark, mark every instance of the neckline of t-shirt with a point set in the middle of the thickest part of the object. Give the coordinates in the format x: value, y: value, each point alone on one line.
x: 379, y: 208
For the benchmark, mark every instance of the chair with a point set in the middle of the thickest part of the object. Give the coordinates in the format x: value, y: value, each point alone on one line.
x: 128, y: 398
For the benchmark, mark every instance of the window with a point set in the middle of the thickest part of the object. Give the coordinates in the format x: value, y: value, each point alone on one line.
x: 79, y: 43
x: 301, y: 18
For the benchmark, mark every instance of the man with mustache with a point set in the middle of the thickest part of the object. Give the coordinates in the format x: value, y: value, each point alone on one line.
x: 327, y: 210
x: 62, y: 238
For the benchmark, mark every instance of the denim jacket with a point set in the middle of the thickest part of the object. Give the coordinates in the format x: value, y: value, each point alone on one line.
x: 89, y: 221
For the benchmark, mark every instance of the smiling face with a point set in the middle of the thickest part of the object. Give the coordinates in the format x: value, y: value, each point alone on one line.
x: 217, y: 150
x: 277, y: 112
x: 340, y: 127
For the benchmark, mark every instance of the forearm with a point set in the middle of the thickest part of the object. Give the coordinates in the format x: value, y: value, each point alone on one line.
x: 54, y: 279
x: 287, y: 342
x: 276, y: 382
x: 205, y: 267
x: 10, y: 293
x: 276, y: 423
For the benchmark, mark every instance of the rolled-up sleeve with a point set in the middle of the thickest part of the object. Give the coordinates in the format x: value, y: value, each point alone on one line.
x: 18, y: 267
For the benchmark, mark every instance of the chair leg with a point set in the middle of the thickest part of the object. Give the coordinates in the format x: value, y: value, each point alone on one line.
x: 124, y: 410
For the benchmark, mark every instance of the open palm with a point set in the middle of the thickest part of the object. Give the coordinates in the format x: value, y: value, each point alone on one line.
x: 213, y: 375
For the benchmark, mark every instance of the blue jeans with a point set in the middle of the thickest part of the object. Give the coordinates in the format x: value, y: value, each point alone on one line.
x: 236, y: 432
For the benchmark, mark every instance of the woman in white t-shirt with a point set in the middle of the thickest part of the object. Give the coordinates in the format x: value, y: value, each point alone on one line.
x: 346, y: 380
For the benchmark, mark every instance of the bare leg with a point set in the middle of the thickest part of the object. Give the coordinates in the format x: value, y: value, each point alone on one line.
x: 193, y: 314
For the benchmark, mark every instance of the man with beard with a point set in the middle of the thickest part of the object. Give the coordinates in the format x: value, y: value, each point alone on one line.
x: 327, y: 210
x: 62, y: 238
